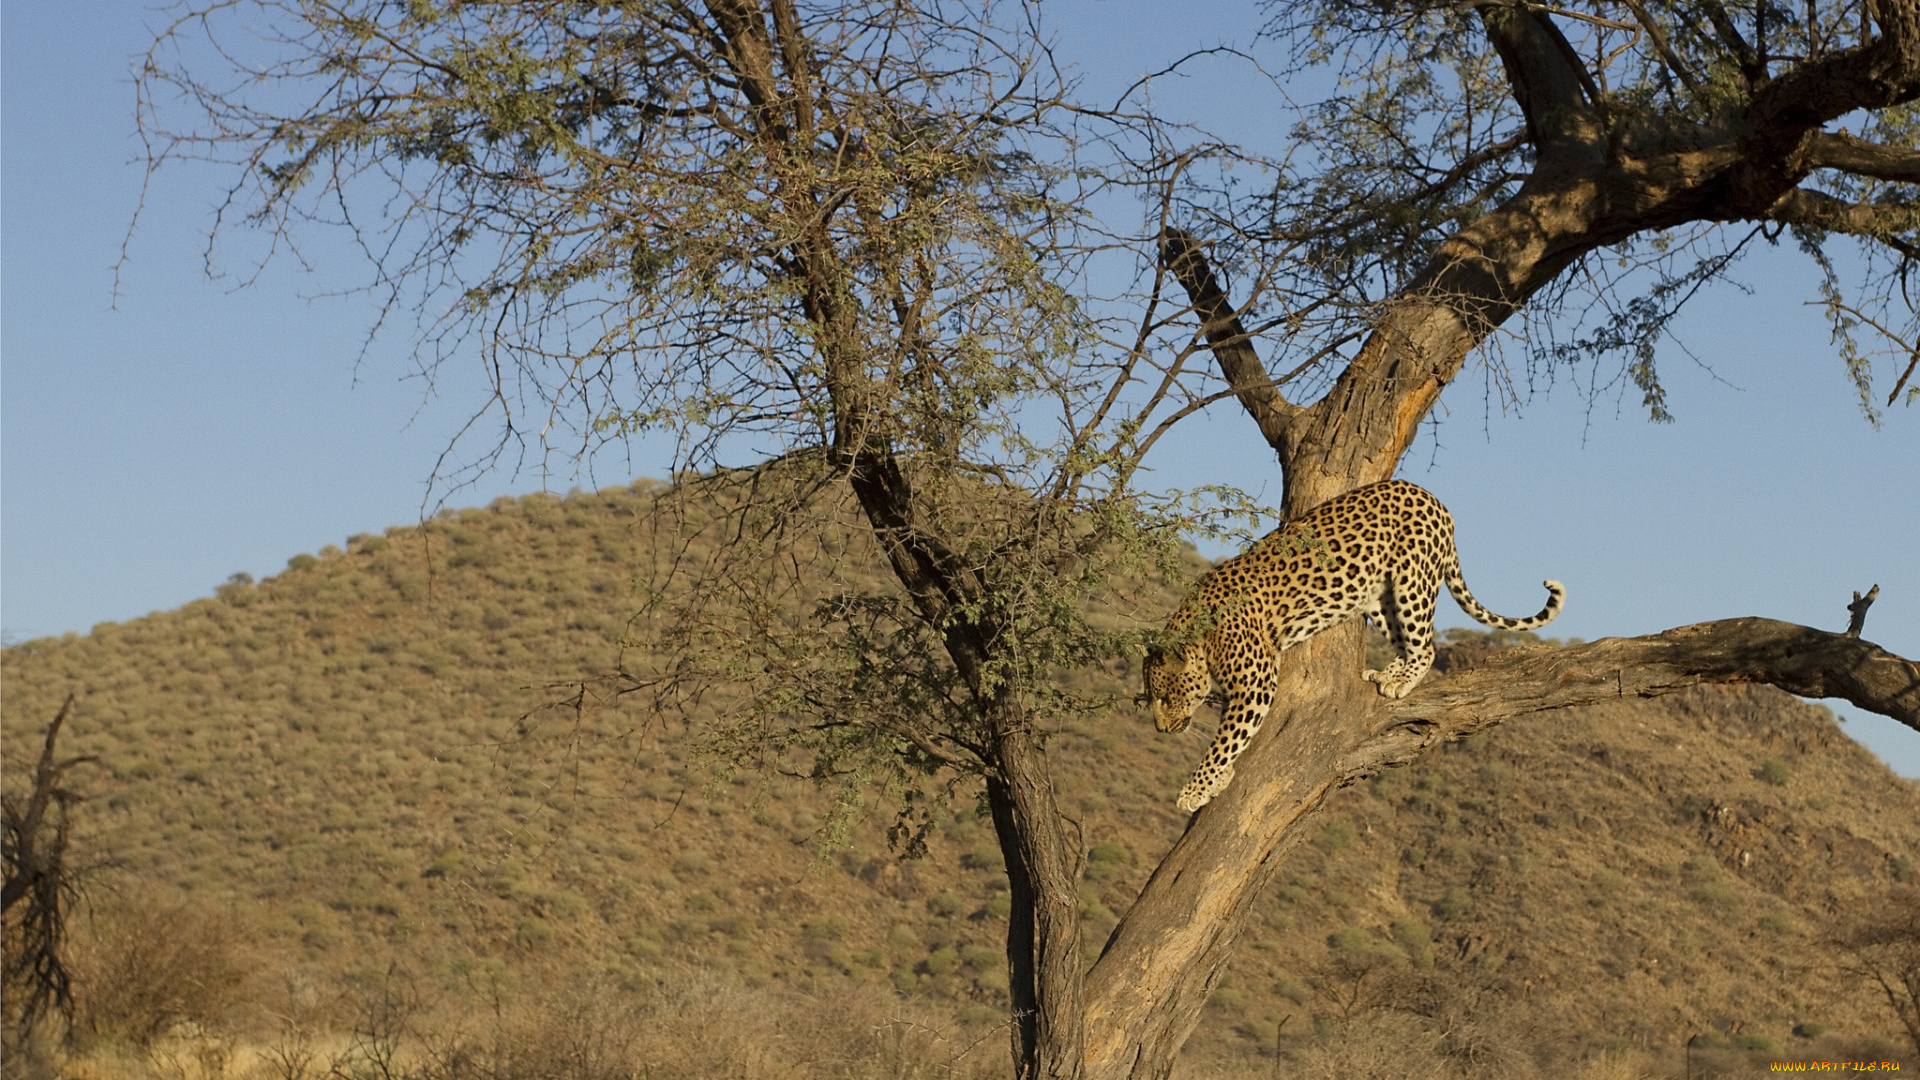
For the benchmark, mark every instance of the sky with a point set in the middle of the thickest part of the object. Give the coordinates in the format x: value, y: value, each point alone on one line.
x: 161, y: 433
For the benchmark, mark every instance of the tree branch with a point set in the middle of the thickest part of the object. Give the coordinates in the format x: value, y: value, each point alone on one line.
x: 1857, y: 611
x: 1553, y: 89
x: 1231, y: 344
x: 1875, y: 75
x: 1874, y: 221
x: 1523, y: 681
x: 1852, y: 154
x: 1662, y: 46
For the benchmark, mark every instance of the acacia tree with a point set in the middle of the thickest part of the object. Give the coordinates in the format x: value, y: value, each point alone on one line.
x: 866, y: 247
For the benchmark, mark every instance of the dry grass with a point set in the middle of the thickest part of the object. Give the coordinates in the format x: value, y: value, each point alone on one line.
x: 685, y: 1025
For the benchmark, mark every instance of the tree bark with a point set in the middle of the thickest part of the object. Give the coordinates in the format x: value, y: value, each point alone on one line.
x: 1522, y: 681
x: 1147, y: 990
x: 1044, y: 862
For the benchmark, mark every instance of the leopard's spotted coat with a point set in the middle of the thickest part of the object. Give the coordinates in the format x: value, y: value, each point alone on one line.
x: 1380, y: 552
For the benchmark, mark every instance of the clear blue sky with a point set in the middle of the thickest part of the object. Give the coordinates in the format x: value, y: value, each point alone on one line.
x: 156, y: 444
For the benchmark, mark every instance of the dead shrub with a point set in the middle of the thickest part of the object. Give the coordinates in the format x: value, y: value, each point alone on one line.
x: 146, y: 965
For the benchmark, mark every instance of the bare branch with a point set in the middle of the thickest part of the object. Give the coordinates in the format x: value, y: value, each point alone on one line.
x: 1525, y: 681
x: 1900, y: 383
x: 1231, y: 345
x: 1857, y: 611
x: 1662, y: 46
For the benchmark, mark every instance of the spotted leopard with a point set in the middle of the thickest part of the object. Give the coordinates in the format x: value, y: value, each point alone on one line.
x: 1380, y: 552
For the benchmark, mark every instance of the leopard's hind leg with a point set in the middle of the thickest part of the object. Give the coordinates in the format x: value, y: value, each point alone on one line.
x: 1406, y: 606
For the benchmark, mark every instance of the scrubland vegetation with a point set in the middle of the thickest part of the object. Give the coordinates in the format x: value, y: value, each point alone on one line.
x: 382, y: 817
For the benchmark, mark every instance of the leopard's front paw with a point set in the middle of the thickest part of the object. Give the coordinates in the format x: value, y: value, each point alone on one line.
x: 1201, y: 790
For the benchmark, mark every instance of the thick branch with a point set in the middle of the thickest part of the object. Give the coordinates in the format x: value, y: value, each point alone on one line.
x: 1518, y: 682
x: 1852, y: 154
x: 1878, y: 74
x: 1231, y: 344
x: 1553, y: 89
x: 1874, y: 221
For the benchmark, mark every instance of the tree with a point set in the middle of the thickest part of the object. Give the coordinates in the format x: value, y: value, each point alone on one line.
x: 41, y: 884
x: 1880, y: 946
x: 872, y: 249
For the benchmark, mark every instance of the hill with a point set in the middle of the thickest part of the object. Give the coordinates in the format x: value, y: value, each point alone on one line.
x: 386, y: 792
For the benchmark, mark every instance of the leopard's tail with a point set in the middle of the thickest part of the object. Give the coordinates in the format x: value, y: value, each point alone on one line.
x: 1457, y: 585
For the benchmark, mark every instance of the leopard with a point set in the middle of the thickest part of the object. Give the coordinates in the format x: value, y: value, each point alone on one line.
x: 1378, y: 552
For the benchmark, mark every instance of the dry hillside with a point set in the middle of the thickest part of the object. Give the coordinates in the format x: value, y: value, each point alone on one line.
x: 351, y: 799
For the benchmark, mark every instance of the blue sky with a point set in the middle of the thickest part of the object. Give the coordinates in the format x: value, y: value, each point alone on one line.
x: 153, y: 443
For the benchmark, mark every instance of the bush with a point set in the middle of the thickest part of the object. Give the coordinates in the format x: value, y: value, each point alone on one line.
x: 1452, y: 904
x: 1337, y: 835
x: 447, y: 863
x: 1416, y: 938
x: 147, y: 965
x: 1105, y: 859
x: 1774, y: 771
x: 1700, y: 870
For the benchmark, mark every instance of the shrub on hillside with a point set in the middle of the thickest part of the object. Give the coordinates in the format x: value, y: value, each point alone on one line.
x: 1774, y: 771
x: 146, y: 966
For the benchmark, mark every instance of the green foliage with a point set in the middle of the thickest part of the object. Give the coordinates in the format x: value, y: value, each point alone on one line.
x: 1700, y: 870
x: 940, y: 961
x: 444, y: 864
x: 1709, y: 887
x: 1416, y: 939
x: 1337, y: 834
x: 1452, y: 904
x: 1105, y: 859
x: 1774, y: 771
x: 1693, y: 806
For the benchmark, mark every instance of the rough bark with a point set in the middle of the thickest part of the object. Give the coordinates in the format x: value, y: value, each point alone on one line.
x: 1519, y: 682
x: 1146, y: 992
x: 1044, y: 862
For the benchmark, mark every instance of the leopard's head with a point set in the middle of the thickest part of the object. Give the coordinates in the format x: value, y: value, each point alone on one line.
x: 1175, y: 684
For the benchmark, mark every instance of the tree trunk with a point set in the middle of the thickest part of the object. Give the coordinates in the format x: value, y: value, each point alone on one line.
x: 1146, y: 993
x: 1044, y: 861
